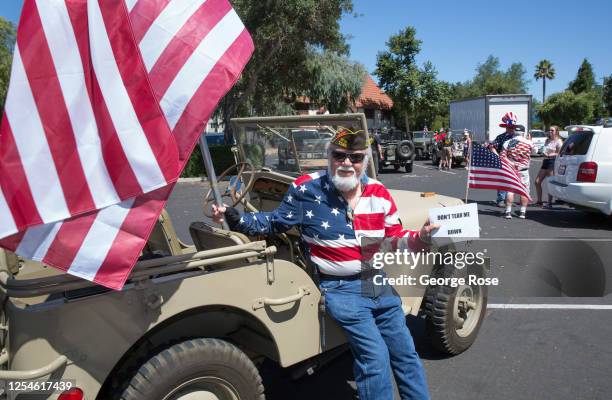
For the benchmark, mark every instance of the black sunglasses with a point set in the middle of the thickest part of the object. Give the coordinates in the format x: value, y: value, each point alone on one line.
x: 355, y: 158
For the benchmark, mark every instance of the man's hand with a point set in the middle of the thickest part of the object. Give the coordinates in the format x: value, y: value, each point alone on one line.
x: 217, y: 213
x: 426, y: 230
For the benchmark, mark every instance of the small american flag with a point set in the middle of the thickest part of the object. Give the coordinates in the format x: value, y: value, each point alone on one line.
x: 490, y: 171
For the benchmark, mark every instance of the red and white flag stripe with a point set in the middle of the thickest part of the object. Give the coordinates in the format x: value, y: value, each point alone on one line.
x: 198, y: 62
x: 506, y: 178
x: 55, y: 141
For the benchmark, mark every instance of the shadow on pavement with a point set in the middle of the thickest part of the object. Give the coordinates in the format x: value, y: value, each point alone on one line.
x: 557, y: 217
x: 335, y: 380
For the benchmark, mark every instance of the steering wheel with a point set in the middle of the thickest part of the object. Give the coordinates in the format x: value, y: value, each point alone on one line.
x: 234, y: 191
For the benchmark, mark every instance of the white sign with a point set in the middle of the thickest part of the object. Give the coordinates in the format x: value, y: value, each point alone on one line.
x: 455, y: 222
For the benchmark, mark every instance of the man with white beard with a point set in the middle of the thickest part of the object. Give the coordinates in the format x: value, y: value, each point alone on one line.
x: 335, y: 210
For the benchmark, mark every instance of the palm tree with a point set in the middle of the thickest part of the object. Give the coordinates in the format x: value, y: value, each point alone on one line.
x: 544, y: 70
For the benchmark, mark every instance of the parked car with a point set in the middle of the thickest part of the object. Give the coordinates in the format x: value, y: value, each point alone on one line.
x: 583, y: 170
x: 538, y: 138
x: 605, y: 122
x: 458, y: 142
x: 423, y: 141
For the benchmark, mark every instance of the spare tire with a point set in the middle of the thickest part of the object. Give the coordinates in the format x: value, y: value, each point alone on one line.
x: 405, y: 150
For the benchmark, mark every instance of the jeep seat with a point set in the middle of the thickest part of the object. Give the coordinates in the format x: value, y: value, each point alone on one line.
x: 208, y: 237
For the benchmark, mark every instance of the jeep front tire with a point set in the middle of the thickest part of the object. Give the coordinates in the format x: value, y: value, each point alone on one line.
x: 202, y: 368
x: 455, y: 314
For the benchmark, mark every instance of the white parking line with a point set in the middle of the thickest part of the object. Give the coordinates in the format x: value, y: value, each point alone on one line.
x: 550, y: 306
x: 422, y: 166
x: 435, y: 169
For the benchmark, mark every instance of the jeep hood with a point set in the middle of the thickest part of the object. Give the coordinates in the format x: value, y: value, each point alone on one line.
x: 414, y: 208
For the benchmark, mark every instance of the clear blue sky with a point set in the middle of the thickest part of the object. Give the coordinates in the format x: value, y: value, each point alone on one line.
x: 457, y: 35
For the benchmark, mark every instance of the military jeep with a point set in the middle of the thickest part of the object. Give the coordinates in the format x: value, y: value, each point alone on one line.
x: 397, y: 150
x: 196, y: 321
x: 423, y: 143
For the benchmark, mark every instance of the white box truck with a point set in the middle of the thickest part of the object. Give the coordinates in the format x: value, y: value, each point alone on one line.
x: 482, y: 115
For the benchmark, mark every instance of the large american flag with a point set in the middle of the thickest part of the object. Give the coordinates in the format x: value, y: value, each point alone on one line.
x: 490, y: 171
x: 106, y: 101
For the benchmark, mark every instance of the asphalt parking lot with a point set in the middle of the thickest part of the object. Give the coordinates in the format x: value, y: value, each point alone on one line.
x: 537, y: 342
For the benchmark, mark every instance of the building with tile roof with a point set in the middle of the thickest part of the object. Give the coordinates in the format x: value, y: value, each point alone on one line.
x: 373, y: 102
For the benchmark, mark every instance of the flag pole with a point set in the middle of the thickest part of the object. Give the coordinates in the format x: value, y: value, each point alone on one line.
x: 210, y: 174
x: 469, y: 165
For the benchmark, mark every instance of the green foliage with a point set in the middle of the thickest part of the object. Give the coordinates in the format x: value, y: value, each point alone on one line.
x: 397, y: 71
x: 432, y: 100
x: 544, y: 70
x: 7, y: 42
x: 585, y: 79
x: 568, y: 108
x: 337, y: 81
x: 490, y: 79
x: 583, y: 102
x: 284, y: 33
x: 221, y: 155
x: 607, y: 94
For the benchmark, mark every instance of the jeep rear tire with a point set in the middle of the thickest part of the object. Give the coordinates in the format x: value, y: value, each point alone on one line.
x: 455, y: 315
x: 408, y: 167
x: 208, y: 368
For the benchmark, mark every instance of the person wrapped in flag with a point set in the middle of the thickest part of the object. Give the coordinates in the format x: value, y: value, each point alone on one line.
x: 518, y: 152
x: 335, y: 210
x: 509, y: 121
x: 491, y: 171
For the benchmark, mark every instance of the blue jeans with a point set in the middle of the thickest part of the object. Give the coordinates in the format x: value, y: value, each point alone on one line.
x: 379, y: 339
x: 501, y: 196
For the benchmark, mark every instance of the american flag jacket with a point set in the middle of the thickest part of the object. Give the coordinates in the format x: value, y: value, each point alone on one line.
x: 499, y: 141
x: 332, y: 233
x: 518, y: 150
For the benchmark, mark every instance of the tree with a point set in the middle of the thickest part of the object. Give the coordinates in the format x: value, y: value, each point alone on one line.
x: 567, y: 108
x: 284, y: 33
x: 585, y: 79
x: 544, y: 70
x: 398, y: 73
x: 607, y: 94
x: 433, y: 97
x: 490, y: 79
x: 337, y: 81
x: 7, y: 42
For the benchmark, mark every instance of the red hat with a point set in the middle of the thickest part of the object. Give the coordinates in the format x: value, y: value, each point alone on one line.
x: 508, y: 120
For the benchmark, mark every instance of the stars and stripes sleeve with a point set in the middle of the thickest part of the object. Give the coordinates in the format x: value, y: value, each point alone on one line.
x: 394, y: 228
x: 288, y: 214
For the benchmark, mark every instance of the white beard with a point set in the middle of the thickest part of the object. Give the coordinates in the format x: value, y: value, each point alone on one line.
x: 346, y: 183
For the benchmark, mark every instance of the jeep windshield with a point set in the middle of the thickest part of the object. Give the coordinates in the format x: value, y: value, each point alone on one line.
x: 291, y: 145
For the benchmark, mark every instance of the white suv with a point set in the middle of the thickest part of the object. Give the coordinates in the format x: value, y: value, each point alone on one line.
x: 583, y: 169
